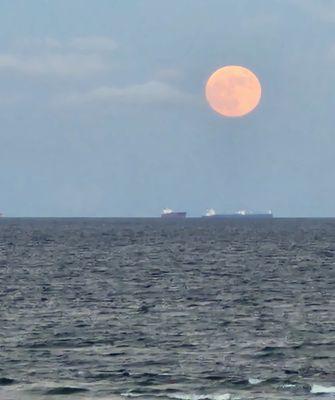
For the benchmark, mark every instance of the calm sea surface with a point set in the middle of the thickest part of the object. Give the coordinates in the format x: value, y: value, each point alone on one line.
x: 152, y: 309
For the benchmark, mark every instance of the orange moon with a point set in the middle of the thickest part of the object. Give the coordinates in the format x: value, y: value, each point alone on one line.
x: 233, y: 91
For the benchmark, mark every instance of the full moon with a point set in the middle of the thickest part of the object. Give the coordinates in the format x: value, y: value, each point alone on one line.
x: 233, y: 91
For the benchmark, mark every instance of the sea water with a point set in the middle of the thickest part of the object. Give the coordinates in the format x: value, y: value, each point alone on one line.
x: 152, y: 309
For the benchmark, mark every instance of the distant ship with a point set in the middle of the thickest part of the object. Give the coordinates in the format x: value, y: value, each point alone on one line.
x: 242, y: 214
x: 168, y: 213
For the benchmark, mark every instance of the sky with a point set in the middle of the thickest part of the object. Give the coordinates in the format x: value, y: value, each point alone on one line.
x: 103, y: 112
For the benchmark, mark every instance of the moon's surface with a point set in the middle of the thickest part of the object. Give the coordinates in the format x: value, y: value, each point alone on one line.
x: 233, y: 91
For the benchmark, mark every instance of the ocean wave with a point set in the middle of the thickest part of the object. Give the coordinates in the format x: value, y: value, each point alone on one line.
x: 194, y: 396
x: 255, y: 381
x: 319, y: 389
x: 63, y: 390
x: 6, y: 381
x: 110, y: 397
x: 185, y: 396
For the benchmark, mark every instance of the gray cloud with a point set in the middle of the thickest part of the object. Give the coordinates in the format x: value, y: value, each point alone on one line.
x: 37, y: 44
x: 145, y: 93
x: 87, y: 58
x: 63, y: 65
x: 79, y: 43
x: 76, y: 57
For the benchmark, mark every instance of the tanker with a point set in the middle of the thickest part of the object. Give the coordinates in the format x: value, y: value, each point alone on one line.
x: 168, y: 213
x: 241, y: 214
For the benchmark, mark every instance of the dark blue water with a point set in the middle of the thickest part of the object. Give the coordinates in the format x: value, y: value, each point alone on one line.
x: 194, y: 309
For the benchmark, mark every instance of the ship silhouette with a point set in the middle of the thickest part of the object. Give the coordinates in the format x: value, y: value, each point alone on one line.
x: 168, y: 213
x: 241, y: 214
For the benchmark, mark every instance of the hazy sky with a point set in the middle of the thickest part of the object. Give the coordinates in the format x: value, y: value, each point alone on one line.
x: 103, y: 113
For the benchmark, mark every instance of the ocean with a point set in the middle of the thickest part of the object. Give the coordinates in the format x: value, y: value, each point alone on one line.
x: 160, y: 309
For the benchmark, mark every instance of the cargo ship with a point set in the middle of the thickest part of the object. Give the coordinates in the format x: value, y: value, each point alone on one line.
x: 241, y: 214
x: 168, y: 213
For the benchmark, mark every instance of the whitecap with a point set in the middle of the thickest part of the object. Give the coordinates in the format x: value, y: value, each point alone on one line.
x: 184, y: 396
x: 318, y: 389
x: 225, y: 396
x: 194, y: 396
x: 255, y: 381
x: 112, y: 397
x: 289, y: 385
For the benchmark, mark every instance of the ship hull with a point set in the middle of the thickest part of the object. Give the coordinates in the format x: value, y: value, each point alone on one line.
x: 174, y: 215
x: 239, y: 216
